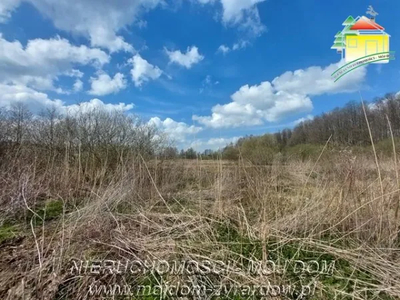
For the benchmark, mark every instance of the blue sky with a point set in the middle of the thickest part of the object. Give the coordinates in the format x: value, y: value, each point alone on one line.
x: 204, y: 71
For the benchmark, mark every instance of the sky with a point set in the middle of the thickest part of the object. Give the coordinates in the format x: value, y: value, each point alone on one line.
x: 204, y: 71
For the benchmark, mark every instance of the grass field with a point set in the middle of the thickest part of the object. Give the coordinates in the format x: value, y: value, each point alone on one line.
x: 319, y: 229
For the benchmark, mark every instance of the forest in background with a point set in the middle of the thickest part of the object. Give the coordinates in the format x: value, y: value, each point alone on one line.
x: 346, y: 129
x: 94, y: 132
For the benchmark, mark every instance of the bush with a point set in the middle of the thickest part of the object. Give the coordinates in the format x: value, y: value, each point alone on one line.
x: 260, y: 150
x: 304, y: 151
x: 231, y: 153
x: 385, y: 147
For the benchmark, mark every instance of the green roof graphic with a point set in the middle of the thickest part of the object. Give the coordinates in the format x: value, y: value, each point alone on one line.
x: 349, y: 21
x: 347, y: 31
x: 347, y: 28
x: 339, y: 40
x: 338, y: 45
x: 338, y: 34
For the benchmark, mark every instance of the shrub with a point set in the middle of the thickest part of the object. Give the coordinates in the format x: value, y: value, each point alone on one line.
x: 231, y: 153
x: 304, y: 151
x: 385, y: 147
x: 260, y: 150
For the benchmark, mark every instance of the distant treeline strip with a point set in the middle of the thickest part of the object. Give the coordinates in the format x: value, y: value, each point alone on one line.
x: 346, y: 125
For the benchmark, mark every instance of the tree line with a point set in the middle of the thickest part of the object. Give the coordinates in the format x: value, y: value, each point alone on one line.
x: 109, y: 136
x: 344, y: 127
x: 95, y: 142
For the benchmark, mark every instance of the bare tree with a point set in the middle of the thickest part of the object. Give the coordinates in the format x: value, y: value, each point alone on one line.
x: 19, y: 118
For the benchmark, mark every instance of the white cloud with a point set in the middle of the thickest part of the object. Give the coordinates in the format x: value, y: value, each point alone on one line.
x: 240, y: 45
x: 236, y: 10
x: 241, y: 13
x: 106, y: 38
x: 96, y: 104
x: 206, y: 1
x: 141, y: 24
x: 176, y: 130
x: 104, y: 84
x: 207, y: 84
x: 223, y: 141
x: 216, y: 143
x: 19, y: 93
x: 316, y: 81
x: 41, y: 61
x: 98, y: 20
x: 143, y: 71
x: 288, y: 94
x: 101, y: 21
x: 207, y: 80
x: 212, y: 143
x: 223, y: 49
x: 301, y: 120
x: 37, y: 100
x: 236, y: 46
x: 74, y: 73
x: 78, y: 85
x: 252, y: 105
x: 6, y: 7
x: 188, y: 59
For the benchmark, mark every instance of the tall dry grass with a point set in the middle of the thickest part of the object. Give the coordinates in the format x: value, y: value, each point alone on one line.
x: 337, y: 208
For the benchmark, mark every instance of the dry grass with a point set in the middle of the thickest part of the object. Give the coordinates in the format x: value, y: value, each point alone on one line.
x: 336, y: 209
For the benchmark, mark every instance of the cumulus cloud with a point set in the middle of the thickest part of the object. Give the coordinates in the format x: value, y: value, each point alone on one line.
x: 104, y: 84
x: 37, y: 101
x: 19, y: 93
x: 253, y: 105
x: 317, y: 80
x: 41, y: 61
x: 6, y: 7
x: 106, y: 38
x: 143, y: 71
x: 212, y: 143
x: 96, y: 104
x: 176, y: 130
x: 286, y: 95
x: 74, y: 73
x: 99, y: 20
x: 188, y: 59
x: 221, y: 142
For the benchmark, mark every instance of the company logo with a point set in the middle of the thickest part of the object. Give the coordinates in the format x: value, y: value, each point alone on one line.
x: 362, y: 41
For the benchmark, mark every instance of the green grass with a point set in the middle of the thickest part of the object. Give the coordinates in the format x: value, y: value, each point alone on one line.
x: 51, y: 210
x: 8, y: 231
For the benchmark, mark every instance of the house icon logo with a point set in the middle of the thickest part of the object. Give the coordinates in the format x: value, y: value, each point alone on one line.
x: 361, y: 42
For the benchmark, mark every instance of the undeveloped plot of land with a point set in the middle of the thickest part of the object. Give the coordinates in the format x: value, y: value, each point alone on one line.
x: 317, y: 230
